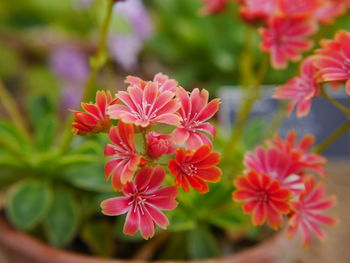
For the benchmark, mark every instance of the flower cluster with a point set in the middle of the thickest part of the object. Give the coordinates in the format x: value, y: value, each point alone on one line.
x: 284, y: 26
x: 279, y: 184
x: 330, y: 63
x: 141, y: 110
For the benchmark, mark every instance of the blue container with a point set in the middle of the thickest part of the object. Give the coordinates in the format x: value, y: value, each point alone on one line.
x: 322, y: 120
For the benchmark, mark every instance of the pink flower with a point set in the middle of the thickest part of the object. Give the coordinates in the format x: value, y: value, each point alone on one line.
x: 307, y: 159
x: 299, y: 7
x: 278, y: 165
x: 308, y: 212
x: 195, y: 111
x: 159, y: 144
x: 255, y: 10
x: 329, y: 10
x: 263, y: 197
x: 163, y: 82
x: 146, y: 105
x: 285, y: 39
x: 333, y: 60
x: 125, y: 158
x: 95, y: 119
x: 142, y: 201
x: 301, y: 89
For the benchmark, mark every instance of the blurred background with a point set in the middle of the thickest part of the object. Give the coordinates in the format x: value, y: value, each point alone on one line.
x: 44, y: 63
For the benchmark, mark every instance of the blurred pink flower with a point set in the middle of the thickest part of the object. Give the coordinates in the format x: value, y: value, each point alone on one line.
x: 329, y: 10
x: 307, y: 159
x: 142, y: 201
x: 301, y: 90
x: 253, y: 11
x: 285, y: 39
x: 146, y: 106
x: 299, y: 7
x: 333, y: 59
x: 195, y: 111
x: 308, y: 212
x: 159, y: 144
x: 278, y: 165
x: 125, y: 158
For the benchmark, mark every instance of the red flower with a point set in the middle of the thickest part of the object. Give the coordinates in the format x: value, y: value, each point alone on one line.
x: 278, y: 165
x: 159, y: 144
x: 195, y: 111
x: 125, y: 158
x: 308, y: 211
x: 95, y: 119
x: 285, y: 39
x: 263, y: 197
x: 143, y: 200
x: 333, y: 60
x: 195, y: 168
x: 301, y: 90
x: 307, y: 160
x: 146, y: 104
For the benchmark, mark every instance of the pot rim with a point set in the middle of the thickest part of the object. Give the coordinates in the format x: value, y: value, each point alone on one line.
x: 21, y: 243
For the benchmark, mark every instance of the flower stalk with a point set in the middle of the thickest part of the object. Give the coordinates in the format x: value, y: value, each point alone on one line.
x: 10, y: 105
x: 335, y: 103
x: 332, y: 138
x: 251, y: 95
x: 96, y: 63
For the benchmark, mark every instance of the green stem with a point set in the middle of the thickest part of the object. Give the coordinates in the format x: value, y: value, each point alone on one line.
x: 12, y: 109
x: 332, y: 138
x: 100, y: 58
x: 97, y: 62
x: 250, y: 95
x: 277, y: 120
x: 336, y: 103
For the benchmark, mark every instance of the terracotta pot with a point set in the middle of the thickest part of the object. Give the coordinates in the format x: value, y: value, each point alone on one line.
x: 17, y: 247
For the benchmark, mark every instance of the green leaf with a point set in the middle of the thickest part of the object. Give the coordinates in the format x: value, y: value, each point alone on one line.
x: 12, y: 137
x: 28, y: 203
x: 45, y: 135
x: 62, y: 221
x: 232, y: 219
x: 98, y: 236
x: 88, y: 177
x: 202, y: 244
x: 179, y: 221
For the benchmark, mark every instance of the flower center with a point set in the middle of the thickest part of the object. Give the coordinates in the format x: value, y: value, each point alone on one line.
x: 188, y: 169
x: 138, y: 201
x: 262, y: 196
